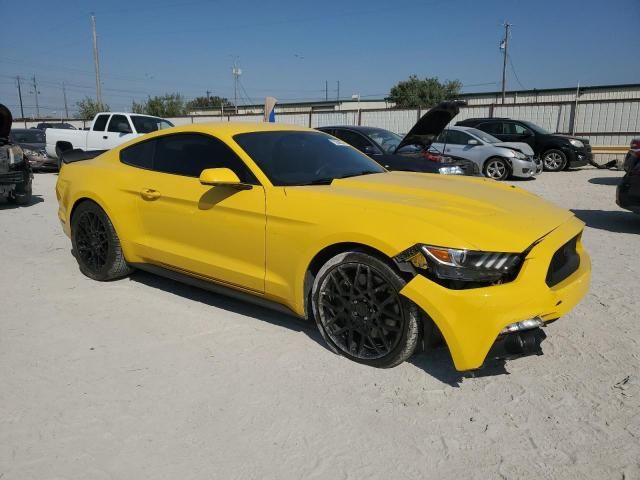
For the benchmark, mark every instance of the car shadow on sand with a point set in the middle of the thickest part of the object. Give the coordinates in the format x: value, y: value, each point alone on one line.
x: 229, y: 304
x: 610, y: 220
x: 613, y: 181
x: 436, y: 362
x: 6, y: 205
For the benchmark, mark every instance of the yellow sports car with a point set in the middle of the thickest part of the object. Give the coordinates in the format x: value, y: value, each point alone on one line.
x: 288, y: 216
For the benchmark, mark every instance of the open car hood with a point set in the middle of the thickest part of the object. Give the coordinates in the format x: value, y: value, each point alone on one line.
x: 431, y: 124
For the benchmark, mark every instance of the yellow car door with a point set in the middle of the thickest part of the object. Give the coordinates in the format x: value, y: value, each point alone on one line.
x: 216, y: 232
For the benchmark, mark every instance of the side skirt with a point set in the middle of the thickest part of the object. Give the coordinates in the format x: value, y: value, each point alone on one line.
x: 214, y: 287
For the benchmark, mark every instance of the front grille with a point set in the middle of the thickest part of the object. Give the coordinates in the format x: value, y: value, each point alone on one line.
x: 564, y: 262
x: 11, y: 177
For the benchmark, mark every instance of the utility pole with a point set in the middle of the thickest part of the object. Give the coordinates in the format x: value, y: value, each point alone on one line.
x: 236, y: 71
x: 96, y: 61
x: 326, y: 90
x: 64, y: 94
x: 35, y: 92
x: 337, y: 90
x: 574, y: 118
x: 504, y: 46
x: 20, y: 99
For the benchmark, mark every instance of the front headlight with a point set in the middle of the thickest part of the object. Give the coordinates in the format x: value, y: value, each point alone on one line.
x: 576, y: 143
x: 464, y: 265
x: 520, y: 155
x: 450, y: 171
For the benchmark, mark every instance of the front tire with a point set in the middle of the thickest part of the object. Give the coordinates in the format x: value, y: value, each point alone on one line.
x: 96, y: 244
x: 360, y: 312
x: 497, y: 168
x: 554, y: 160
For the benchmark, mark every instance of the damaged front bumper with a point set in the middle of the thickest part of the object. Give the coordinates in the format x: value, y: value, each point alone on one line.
x: 472, y: 320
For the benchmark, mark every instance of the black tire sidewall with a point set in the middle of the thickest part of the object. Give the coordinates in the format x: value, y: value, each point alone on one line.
x: 564, y: 160
x: 105, y: 273
x: 411, y: 326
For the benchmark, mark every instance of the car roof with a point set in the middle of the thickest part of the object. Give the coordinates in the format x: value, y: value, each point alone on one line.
x: 229, y: 128
x: 462, y: 128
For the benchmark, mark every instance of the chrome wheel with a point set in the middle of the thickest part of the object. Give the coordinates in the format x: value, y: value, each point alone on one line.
x: 497, y: 169
x: 360, y: 311
x: 554, y: 161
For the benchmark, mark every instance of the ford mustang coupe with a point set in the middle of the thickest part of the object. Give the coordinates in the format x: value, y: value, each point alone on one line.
x: 381, y: 261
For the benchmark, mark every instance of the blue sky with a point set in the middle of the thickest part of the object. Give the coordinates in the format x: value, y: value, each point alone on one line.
x: 289, y: 48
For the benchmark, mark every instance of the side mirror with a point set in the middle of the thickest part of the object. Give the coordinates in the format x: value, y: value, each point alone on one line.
x: 221, y: 177
x: 473, y: 142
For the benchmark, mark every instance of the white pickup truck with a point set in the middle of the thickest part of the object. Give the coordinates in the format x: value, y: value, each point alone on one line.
x: 108, y: 130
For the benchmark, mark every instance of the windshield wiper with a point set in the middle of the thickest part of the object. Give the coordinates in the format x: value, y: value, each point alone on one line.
x: 320, y: 181
x: 357, y: 174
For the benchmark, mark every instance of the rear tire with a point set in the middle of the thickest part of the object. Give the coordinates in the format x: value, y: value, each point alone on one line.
x: 554, y: 160
x: 360, y: 312
x: 96, y: 244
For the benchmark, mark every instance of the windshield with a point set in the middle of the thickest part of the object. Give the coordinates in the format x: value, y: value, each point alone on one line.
x: 304, y: 158
x: 389, y: 141
x: 27, y: 136
x: 149, y: 124
x: 537, y: 128
x: 484, y: 136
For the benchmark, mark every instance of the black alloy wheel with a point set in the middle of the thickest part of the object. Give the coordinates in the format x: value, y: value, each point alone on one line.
x: 96, y: 245
x: 360, y: 312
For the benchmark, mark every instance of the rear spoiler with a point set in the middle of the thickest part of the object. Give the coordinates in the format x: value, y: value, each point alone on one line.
x: 77, y: 155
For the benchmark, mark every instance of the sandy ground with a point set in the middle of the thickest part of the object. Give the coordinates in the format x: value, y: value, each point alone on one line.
x: 145, y: 378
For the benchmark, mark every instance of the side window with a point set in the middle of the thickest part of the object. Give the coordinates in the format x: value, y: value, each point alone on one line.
x: 139, y: 155
x: 354, y: 139
x: 492, y: 128
x: 100, y: 122
x: 455, y: 137
x: 119, y: 124
x: 511, y: 128
x: 189, y: 154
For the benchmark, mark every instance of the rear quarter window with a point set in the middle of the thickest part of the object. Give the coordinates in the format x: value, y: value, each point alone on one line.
x: 139, y: 155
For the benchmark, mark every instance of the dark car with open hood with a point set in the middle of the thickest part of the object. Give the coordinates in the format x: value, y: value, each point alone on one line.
x: 15, y: 171
x: 411, y: 152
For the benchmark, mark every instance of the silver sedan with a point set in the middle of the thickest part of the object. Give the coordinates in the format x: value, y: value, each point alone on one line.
x: 496, y: 159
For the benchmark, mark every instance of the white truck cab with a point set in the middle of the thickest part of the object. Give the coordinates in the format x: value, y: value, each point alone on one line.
x: 108, y: 130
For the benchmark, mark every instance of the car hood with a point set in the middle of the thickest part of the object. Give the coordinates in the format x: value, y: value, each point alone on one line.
x: 32, y: 146
x: 458, y: 212
x: 431, y: 124
x: 569, y: 137
x: 517, y: 146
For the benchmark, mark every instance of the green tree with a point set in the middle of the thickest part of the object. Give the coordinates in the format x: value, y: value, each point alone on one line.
x: 415, y: 92
x: 206, y: 103
x: 168, y: 105
x: 88, y: 107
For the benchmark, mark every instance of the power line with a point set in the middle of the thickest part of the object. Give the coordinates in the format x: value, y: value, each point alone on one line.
x: 515, y: 74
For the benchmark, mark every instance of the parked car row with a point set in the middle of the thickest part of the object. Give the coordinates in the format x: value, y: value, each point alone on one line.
x: 497, y: 148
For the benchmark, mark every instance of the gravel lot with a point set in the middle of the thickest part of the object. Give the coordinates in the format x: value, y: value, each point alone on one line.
x: 145, y: 378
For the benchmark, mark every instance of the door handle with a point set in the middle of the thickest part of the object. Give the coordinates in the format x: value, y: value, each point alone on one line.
x: 150, y: 194
x: 104, y: 137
